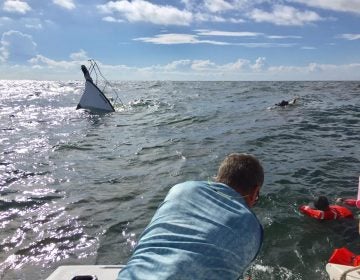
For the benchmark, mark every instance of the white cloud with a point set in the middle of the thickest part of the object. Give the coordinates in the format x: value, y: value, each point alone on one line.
x: 5, y: 20
x: 236, y: 20
x: 205, y: 17
x: 206, y: 32
x: 203, y: 65
x: 67, y: 4
x: 177, y: 64
x: 284, y: 15
x: 34, y: 26
x: 215, y: 6
x: 283, y: 37
x: 16, y: 47
x: 220, y: 6
x: 350, y: 37
x: 42, y: 61
x: 239, y: 65
x: 175, y: 39
x: 112, y: 19
x: 352, y: 6
x: 266, y: 45
x: 16, y: 6
x: 186, y: 69
x: 260, y: 64
x: 172, y: 39
x: 316, y: 71
x: 32, y: 23
x: 139, y: 10
x: 190, y: 4
x: 79, y: 56
x: 144, y: 11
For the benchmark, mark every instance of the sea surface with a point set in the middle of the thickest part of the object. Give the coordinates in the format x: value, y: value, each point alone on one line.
x: 79, y: 188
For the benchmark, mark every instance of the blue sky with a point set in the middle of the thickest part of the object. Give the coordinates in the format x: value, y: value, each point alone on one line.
x: 181, y: 40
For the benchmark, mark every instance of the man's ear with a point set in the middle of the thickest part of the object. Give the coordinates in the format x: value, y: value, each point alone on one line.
x: 253, y: 195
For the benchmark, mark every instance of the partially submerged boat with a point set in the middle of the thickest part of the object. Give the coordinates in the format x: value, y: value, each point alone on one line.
x: 94, y: 98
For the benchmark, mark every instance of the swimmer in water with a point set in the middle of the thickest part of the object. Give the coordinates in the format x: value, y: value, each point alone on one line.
x: 284, y: 103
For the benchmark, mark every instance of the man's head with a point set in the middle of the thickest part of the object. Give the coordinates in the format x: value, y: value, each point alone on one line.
x: 321, y: 203
x: 243, y: 173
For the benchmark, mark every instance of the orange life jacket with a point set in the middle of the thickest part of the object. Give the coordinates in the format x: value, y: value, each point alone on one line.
x: 335, y: 212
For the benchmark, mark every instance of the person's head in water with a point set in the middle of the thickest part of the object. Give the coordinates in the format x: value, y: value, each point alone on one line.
x: 321, y: 203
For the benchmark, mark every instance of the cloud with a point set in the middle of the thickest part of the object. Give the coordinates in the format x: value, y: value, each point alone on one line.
x: 32, y: 23
x: 112, y: 19
x: 34, y: 26
x: 176, y: 39
x: 143, y: 11
x: 16, y: 47
x: 308, y: 48
x: 177, y: 64
x: 16, y: 6
x: 67, y: 4
x: 284, y: 15
x: 206, y: 32
x: 352, y: 6
x: 216, y: 6
x: 40, y: 61
x: 205, y: 17
x: 204, y: 69
x: 239, y: 65
x: 260, y: 64
x: 5, y: 21
x: 20, y: 23
x: 203, y: 65
x: 266, y: 45
x: 316, y: 71
x: 79, y: 56
x: 283, y: 37
x: 173, y: 39
x: 350, y: 37
x: 185, y: 69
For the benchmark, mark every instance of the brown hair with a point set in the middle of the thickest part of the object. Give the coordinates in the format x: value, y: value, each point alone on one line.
x: 241, y: 172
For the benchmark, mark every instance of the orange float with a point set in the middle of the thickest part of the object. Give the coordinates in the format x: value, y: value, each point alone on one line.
x: 335, y: 212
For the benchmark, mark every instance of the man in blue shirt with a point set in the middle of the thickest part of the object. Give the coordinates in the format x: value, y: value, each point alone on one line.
x: 203, y: 230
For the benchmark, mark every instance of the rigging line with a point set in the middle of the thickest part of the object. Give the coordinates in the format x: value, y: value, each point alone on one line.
x: 96, y: 69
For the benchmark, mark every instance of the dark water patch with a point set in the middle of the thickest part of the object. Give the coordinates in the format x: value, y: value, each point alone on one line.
x: 119, y: 237
x: 11, y: 176
x: 67, y: 147
x: 16, y: 204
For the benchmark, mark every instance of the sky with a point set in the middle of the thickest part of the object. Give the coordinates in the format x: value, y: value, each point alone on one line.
x: 237, y: 40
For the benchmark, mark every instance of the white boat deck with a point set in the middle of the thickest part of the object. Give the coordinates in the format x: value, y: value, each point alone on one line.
x: 102, y: 272
x: 343, y: 272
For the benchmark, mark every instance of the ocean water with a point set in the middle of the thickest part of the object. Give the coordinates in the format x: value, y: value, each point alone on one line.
x: 77, y: 188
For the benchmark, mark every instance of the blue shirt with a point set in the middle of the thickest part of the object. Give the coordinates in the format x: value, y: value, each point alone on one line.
x: 202, y: 230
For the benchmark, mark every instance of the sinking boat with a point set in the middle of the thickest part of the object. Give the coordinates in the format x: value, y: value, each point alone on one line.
x: 94, y: 98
